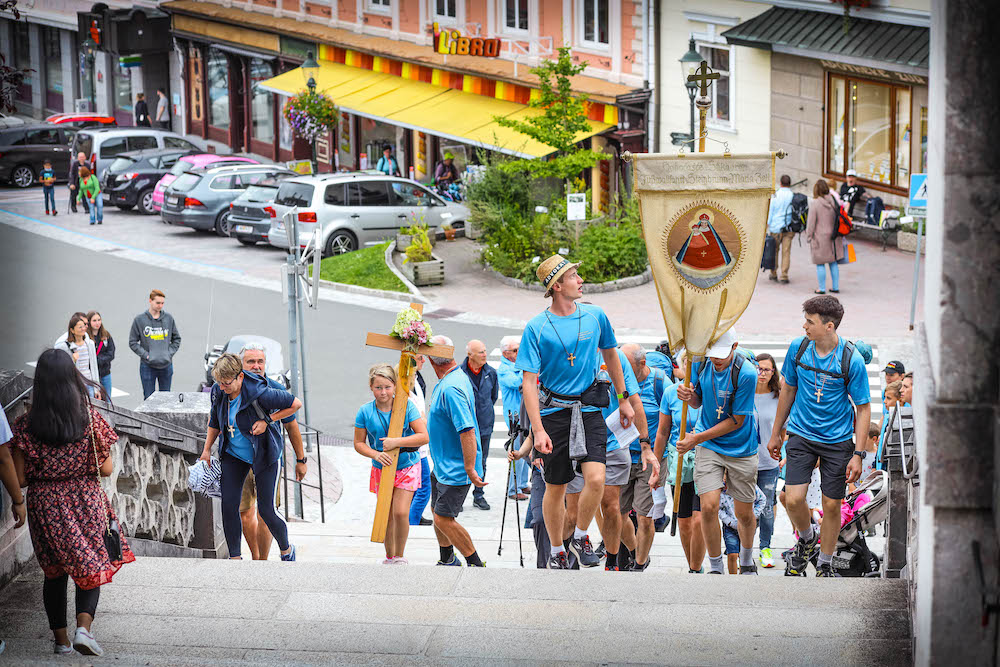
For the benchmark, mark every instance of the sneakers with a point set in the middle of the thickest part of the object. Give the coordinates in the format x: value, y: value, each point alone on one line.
x: 797, y: 562
x: 636, y: 567
x: 748, y: 569
x: 398, y: 560
x: 61, y: 649
x: 773, y: 277
x: 826, y: 570
x: 625, y: 559
x: 700, y: 571
x: 483, y: 564
x: 558, y: 562
x: 85, y: 643
x: 766, y: 558
x: 600, y: 550
x: 481, y: 503
x: 425, y: 522
x: 454, y: 562
x: 584, y: 552
x: 290, y: 556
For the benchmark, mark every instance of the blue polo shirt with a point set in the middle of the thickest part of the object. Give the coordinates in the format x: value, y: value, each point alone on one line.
x: 828, y: 418
x: 651, y: 392
x: 549, y: 339
x: 716, y: 391
x: 239, y: 444
x: 510, y: 388
x: 376, y: 424
x: 671, y: 405
x: 450, y: 412
x: 631, y: 386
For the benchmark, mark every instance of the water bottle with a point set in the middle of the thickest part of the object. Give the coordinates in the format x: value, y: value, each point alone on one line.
x: 602, y: 375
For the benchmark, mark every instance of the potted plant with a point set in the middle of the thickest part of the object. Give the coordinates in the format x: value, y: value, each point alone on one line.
x: 449, y: 231
x: 420, y: 265
x: 404, y: 237
x: 906, y: 238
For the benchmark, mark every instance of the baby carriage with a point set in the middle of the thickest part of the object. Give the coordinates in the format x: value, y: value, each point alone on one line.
x: 852, y: 557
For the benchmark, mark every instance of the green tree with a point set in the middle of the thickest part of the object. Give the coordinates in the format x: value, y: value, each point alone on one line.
x: 563, y: 117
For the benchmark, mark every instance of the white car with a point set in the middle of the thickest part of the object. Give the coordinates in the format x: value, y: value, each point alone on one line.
x: 357, y: 209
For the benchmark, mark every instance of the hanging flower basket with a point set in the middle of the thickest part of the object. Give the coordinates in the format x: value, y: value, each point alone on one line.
x: 311, y: 115
x: 411, y: 329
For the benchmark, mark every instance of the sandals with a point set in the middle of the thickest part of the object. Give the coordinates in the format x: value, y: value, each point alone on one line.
x: 818, y: 291
x: 835, y: 291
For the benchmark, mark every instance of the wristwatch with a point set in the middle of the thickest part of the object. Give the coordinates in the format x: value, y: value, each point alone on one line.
x: 861, y: 454
x: 644, y: 440
x: 302, y: 461
x: 622, y: 396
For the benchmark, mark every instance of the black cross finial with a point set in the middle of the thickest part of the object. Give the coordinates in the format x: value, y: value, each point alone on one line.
x: 702, y: 76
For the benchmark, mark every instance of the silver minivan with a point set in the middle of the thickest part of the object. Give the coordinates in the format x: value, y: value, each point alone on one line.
x: 357, y: 209
x: 103, y: 145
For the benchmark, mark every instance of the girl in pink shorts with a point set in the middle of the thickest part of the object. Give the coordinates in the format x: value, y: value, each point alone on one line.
x: 371, y: 428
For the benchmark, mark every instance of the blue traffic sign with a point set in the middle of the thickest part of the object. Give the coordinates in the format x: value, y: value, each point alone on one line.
x: 918, y: 190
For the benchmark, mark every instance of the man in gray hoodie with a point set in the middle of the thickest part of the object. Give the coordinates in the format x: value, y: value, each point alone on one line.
x: 154, y: 337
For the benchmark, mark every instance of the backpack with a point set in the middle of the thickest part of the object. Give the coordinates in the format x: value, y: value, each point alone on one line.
x: 845, y: 225
x: 863, y: 348
x: 734, y: 374
x: 659, y: 379
x: 798, y: 212
x: 769, y: 259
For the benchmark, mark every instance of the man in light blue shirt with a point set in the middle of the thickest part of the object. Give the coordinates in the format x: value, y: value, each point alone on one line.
x: 777, y: 223
x: 510, y: 396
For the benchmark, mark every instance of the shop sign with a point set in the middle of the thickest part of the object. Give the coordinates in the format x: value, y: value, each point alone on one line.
x: 875, y: 72
x: 452, y: 42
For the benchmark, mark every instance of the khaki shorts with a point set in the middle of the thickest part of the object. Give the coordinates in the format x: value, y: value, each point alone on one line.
x: 636, y: 493
x: 709, y: 466
x: 249, y: 497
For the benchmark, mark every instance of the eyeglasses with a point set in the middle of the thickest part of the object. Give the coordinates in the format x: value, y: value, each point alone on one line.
x: 763, y: 371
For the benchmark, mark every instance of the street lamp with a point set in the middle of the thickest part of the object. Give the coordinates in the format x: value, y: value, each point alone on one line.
x: 310, y: 68
x: 689, y: 60
x: 89, y: 46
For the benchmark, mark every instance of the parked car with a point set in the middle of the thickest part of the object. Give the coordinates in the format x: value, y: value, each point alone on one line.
x: 129, y: 181
x: 250, y: 213
x: 82, y: 120
x: 274, y: 366
x: 104, y: 145
x: 6, y: 120
x: 200, y: 198
x: 192, y: 162
x: 357, y: 209
x: 25, y: 148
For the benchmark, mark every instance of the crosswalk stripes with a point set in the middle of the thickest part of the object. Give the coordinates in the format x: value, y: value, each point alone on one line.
x: 776, y: 349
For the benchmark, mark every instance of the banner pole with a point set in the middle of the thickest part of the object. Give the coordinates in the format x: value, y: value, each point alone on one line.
x: 680, y: 458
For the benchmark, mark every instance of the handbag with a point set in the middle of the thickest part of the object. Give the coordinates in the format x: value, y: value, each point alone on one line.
x: 112, y: 530
x: 849, y: 256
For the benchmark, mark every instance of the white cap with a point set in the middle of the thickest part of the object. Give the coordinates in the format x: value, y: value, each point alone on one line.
x: 851, y: 172
x: 723, y: 347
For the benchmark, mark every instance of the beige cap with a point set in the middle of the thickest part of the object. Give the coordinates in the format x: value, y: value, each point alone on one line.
x: 552, y: 269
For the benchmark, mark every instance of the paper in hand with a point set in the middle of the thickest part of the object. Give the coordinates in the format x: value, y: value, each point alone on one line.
x: 624, y: 436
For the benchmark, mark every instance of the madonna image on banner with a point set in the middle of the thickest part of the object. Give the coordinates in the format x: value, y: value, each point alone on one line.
x: 703, y: 244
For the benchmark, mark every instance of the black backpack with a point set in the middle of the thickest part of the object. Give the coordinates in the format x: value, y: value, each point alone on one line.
x: 845, y: 360
x: 798, y: 212
x: 734, y: 374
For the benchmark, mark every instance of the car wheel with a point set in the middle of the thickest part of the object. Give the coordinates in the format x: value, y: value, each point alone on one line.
x: 222, y: 224
x: 246, y: 241
x: 340, y: 241
x: 125, y: 207
x: 22, y: 176
x: 145, y: 200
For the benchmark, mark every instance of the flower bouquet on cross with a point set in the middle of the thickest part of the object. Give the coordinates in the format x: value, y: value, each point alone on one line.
x: 411, y: 328
x: 311, y: 115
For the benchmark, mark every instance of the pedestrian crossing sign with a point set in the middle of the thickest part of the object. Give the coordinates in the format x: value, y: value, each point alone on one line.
x: 918, y: 191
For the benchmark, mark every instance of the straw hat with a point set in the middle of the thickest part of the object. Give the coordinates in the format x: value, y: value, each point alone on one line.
x: 551, y: 270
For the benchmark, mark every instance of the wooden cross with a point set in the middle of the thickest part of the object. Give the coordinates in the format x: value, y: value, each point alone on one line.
x: 232, y: 431
x: 718, y: 412
x: 702, y: 76
x: 398, y: 417
x: 572, y: 358
x: 819, y: 393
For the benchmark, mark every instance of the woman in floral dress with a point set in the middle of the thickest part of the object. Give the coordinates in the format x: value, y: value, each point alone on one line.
x: 59, y: 448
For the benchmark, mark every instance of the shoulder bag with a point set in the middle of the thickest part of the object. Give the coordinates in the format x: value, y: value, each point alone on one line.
x: 112, y: 530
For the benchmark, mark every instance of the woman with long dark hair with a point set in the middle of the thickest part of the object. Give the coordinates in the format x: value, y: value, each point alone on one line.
x: 60, y: 448
x: 766, y: 402
x: 77, y: 344
x: 104, y: 345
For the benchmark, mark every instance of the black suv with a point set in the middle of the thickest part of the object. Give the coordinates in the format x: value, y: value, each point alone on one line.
x: 130, y: 179
x: 25, y: 148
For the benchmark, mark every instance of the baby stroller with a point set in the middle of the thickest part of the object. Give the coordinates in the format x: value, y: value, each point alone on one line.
x: 852, y: 557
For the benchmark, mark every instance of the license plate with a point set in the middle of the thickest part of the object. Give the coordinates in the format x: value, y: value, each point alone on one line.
x: 173, y: 200
x: 107, y: 197
x: 243, y: 229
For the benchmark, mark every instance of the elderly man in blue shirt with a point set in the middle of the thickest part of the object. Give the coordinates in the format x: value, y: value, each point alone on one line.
x: 777, y: 226
x: 510, y: 395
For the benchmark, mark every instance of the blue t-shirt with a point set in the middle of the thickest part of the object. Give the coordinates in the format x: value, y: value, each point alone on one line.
x: 651, y: 392
x: 548, y: 340
x: 451, y: 411
x: 510, y: 389
x: 44, y: 174
x: 631, y: 386
x: 671, y: 405
x: 830, y: 418
x: 718, y: 404
x: 239, y: 444
x: 376, y: 424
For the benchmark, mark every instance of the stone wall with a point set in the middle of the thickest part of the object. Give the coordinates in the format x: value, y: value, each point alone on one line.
x: 15, y: 545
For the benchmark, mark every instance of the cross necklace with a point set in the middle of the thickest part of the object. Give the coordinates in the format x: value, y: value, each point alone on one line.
x: 819, y: 379
x: 232, y: 431
x: 715, y: 395
x: 570, y: 356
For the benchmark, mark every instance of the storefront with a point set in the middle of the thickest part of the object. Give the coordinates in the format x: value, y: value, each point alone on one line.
x: 845, y: 101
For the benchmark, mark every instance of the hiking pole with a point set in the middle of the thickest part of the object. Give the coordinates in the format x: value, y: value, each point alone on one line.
x: 511, y: 436
x: 517, y: 514
x: 680, y: 457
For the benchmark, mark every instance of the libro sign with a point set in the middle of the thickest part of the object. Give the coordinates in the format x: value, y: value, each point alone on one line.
x: 452, y: 42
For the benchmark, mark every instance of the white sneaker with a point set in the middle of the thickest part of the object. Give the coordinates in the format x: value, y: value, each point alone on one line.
x: 85, y: 643
x: 399, y: 560
x: 384, y: 561
x: 61, y: 649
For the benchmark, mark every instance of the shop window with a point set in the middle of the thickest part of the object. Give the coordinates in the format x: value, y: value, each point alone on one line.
x: 262, y: 103
x: 379, y: 6
x: 123, y: 89
x: 22, y: 59
x: 217, y: 70
x: 52, y: 54
x: 870, y: 129
x: 594, y: 17
x: 445, y: 9
x: 516, y: 15
x: 923, y: 140
x: 718, y: 58
x: 284, y: 127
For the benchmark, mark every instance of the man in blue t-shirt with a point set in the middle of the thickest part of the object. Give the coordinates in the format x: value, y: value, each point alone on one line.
x: 455, y: 450
x: 727, y: 444
x: 559, y: 350
x: 816, y: 402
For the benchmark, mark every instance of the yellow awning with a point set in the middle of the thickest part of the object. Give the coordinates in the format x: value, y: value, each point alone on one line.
x: 445, y: 112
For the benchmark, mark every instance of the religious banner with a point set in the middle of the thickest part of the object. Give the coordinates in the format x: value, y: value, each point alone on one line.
x: 704, y: 218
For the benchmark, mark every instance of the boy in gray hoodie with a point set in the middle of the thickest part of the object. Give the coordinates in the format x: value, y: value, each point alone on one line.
x: 155, y: 339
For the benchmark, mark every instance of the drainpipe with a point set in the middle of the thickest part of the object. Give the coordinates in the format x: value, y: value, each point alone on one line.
x: 655, y: 105
x: 650, y: 114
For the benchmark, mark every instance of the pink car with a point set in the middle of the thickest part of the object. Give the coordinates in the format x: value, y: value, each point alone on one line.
x: 187, y: 163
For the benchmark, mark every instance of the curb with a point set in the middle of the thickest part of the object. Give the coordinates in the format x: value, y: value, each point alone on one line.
x: 399, y: 274
x: 588, y: 288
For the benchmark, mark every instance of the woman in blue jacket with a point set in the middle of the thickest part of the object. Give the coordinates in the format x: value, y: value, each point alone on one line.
x: 245, y: 410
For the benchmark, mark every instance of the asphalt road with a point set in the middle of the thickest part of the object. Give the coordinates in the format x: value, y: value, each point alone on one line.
x: 43, y: 281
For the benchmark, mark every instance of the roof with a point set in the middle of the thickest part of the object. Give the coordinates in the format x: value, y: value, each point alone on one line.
x: 821, y: 35
x: 599, y: 90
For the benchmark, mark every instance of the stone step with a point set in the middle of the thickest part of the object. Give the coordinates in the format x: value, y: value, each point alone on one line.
x: 180, y: 611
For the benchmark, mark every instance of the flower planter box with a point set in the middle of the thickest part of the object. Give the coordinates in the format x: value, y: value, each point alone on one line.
x: 907, y: 242
x: 421, y: 274
x: 403, y: 241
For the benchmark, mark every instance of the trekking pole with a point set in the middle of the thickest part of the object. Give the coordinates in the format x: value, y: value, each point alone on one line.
x: 506, y: 497
x: 517, y: 514
x: 680, y: 457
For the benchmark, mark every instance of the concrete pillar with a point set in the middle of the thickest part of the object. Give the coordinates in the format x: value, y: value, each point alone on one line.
x: 70, y: 69
x: 958, y: 377
x: 104, y: 97
x: 38, y: 76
